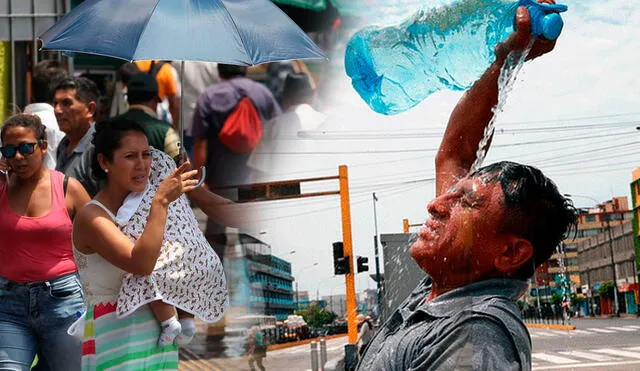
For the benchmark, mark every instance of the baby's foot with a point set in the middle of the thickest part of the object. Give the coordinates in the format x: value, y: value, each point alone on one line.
x: 169, y: 329
x: 188, y: 331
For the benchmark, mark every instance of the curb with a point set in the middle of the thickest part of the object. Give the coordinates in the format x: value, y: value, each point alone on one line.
x: 302, y: 342
x: 549, y: 326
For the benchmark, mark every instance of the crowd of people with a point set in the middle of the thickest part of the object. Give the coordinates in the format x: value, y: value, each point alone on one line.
x: 99, y: 238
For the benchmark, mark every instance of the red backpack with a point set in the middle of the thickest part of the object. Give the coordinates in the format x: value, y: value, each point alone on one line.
x: 242, y: 130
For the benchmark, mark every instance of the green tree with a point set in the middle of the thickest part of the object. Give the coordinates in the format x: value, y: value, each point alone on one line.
x: 577, y: 299
x: 317, y: 316
x: 606, y: 290
x: 556, y: 298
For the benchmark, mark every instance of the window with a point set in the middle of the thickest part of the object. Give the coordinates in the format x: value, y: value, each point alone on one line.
x: 590, y: 218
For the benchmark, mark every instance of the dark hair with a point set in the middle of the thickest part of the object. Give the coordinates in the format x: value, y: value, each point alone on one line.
x: 106, y: 140
x: 126, y: 71
x: 25, y: 121
x: 297, y: 88
x: 227, y: 71
x: 534, y: 209
x: 86, y: 90
x: 47, y: 74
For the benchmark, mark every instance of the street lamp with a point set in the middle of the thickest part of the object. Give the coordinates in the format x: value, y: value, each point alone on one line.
x: 616, y: 308
x: 375, y: 247
x: 296, y: 278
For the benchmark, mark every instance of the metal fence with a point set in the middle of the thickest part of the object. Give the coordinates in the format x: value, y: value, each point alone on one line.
x: 546, y: 313
x: 283, y: 334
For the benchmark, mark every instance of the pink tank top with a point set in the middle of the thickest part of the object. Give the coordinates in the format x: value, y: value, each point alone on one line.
x: 38, y: 248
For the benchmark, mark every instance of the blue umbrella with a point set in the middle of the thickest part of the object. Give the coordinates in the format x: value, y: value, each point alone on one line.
x: 242, y: 32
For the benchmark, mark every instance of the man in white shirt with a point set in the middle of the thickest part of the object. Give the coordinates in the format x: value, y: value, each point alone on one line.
x: 299, y: 115
x: 197, y: 77
x: 46, y: 76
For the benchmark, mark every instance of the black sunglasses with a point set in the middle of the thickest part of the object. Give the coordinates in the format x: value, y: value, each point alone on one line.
x: 25, y: 149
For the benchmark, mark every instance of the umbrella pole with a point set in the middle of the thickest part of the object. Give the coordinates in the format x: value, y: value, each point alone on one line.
x: 183, y: 152
x: 181, y: 124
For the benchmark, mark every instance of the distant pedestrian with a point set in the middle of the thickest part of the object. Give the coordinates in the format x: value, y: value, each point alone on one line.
x: 365, y: 332
x: 75, y: 103
x: 196, y: 78
x: 226, y: 166
x: 281, y: 132
x: 142, y: 96
x: 256, y: 348
x: 46, y: 76
x: 168, y: 87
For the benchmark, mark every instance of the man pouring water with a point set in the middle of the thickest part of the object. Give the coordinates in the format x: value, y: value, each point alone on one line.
x: 487, y: 232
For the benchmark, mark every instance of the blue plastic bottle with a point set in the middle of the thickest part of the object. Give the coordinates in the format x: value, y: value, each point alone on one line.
x: 394, y: 68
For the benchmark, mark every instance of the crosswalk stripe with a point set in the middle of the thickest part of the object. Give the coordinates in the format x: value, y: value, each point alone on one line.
x: 633, y: 326
x: 623, y: 329
x: 546, y: 334
x: 553, y: 359
x: 618, y: 352
x: 602, y: 330
x: 582, y: 332
x: 574, y: 366
x: 561, y: 333
x: 635, y: 349
x: 589, y: 356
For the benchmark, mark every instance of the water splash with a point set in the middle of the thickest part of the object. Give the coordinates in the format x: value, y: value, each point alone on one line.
x: 508, y: 74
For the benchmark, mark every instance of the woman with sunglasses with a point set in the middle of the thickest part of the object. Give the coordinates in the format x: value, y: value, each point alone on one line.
x: 40, y: 292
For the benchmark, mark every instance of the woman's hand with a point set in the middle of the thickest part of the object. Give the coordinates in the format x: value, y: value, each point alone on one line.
x: 177, y: 183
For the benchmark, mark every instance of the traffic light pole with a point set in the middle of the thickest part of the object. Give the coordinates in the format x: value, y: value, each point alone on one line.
x: 290, y: 189
x: 375, y: 247
x: 352, y: 327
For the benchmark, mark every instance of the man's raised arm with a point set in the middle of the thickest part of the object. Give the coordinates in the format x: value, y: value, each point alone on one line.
x: 474, y: 111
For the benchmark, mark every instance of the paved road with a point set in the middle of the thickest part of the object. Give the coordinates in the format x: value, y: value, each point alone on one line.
x: 290, y: 359
x: 613, y: 344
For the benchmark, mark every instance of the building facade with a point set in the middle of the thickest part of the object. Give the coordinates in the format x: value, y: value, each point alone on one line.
x: 302, y: 300
x: 609, y: 257
x: 337, y: 304
x: 562, y: 270
x: 259, y: 282
x: 635, y: 206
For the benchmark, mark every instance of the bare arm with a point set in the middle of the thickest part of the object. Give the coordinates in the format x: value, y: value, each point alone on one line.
x: 223, y: 211
x: 199, y: 153
x: 474, y: 111
x: 96, y: 232
x: 76, y: 197
x: 174, y: 110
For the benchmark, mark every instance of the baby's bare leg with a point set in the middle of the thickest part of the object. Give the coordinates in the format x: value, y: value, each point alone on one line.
x: 182, y: 314
x: 161, y: 310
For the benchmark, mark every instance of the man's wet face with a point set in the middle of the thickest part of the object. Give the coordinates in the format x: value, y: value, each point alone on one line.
x: 463, y: 229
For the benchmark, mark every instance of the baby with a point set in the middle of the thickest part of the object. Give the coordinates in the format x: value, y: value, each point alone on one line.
x: 188, y: 278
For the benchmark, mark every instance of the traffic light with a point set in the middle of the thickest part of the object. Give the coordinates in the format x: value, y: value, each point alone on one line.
x: 363, y: 264
x: 340, y: 262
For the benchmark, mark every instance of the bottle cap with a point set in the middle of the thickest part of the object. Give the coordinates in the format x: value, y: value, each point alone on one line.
x: 545, y: 20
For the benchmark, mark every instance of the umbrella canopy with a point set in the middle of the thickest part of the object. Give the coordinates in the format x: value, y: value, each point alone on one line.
x: 241, y: 32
